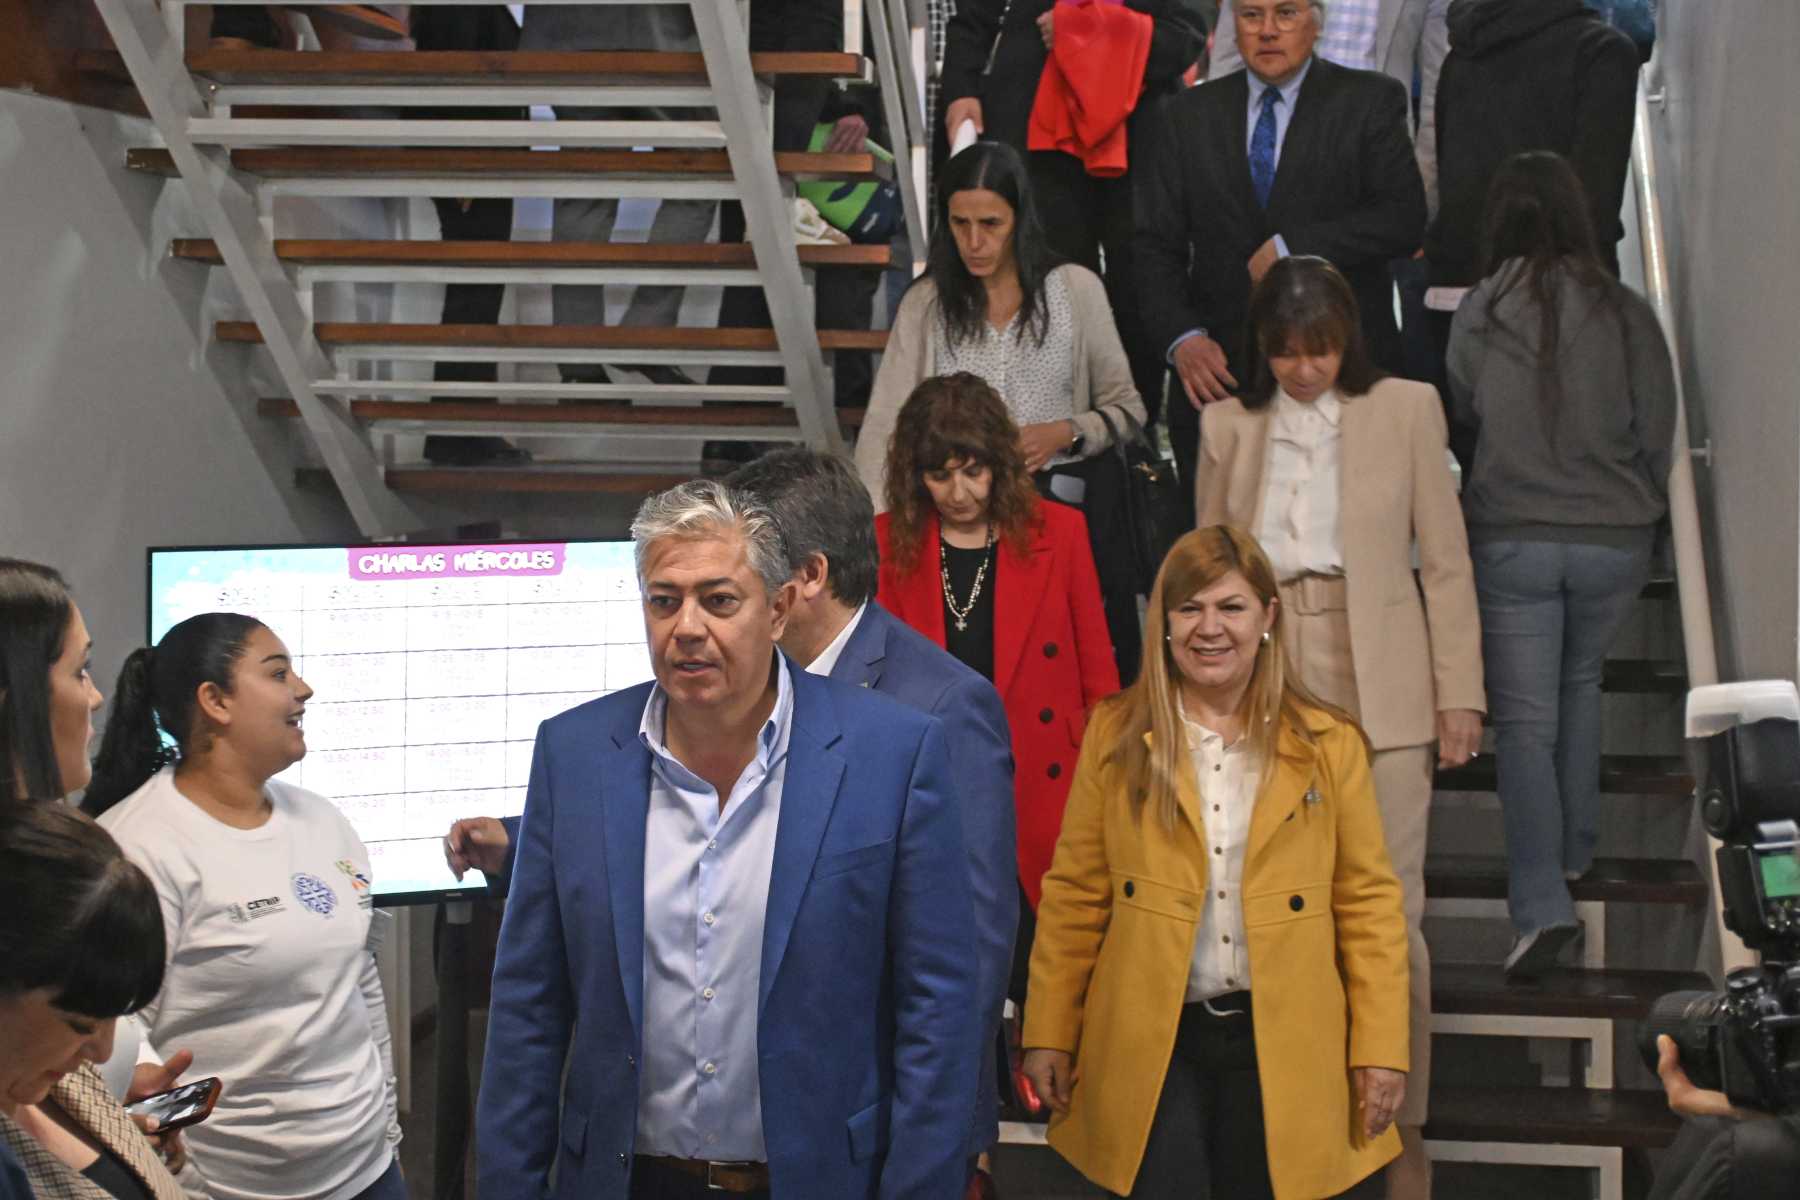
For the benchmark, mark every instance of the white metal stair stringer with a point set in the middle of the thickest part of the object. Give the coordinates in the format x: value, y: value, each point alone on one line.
x: 231, y: 214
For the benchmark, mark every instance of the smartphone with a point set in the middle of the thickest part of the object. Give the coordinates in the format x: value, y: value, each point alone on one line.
x: 186, y: 1105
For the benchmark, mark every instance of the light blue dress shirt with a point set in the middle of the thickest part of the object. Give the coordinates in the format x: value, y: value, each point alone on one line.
x: 1284, y: 113
x: 706, y: 890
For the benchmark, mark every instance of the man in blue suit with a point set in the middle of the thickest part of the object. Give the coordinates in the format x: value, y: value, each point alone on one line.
x: 837, y: 629
x: 756, y: 965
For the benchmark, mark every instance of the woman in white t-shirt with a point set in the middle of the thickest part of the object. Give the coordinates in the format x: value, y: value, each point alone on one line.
x: 265, y: 892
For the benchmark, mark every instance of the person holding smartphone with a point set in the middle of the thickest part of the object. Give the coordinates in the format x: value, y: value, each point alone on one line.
x: 80, y: 947
x: 266, y: 900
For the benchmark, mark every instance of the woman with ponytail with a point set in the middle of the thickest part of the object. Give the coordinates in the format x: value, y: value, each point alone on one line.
x: 266, y: 902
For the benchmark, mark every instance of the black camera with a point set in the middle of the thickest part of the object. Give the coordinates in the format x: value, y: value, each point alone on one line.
x: 1745, y: 1041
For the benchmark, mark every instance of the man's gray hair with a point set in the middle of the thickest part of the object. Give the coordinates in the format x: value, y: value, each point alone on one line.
x: 707, y: 508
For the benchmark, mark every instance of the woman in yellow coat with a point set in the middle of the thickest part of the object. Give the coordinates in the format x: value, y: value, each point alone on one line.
x: 1218, y: 995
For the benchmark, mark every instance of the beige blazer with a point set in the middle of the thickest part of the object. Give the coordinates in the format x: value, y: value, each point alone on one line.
x: 1102, y: 374
x: 1412, y: 655
x: 82, y: 1094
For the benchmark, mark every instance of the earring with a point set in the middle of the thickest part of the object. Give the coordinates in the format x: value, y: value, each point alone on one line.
x: 1265, y: 637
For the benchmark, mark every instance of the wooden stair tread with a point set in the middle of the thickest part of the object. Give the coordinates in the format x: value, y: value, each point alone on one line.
x: 488, y: 67
x: 539, y: 478
x: 1610, y: 994
x: 1620, y: 774
x: 389, y: 162
x: 1644, y: 675
x: 772, y: 416
x: 1660, y: 587
x: 557, y: 337
x: 343, y: 252
x: 1551, y: 1116
x: 1613, y: 880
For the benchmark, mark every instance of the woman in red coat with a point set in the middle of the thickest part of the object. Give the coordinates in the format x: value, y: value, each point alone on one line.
x: 973, y: 559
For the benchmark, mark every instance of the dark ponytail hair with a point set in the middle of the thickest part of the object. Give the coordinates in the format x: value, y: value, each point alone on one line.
x: 76, y: 917
x: 35, y: 613
x: 154, y: 702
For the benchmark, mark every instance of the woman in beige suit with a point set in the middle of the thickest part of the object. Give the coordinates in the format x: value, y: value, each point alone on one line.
x: 1338, y: 472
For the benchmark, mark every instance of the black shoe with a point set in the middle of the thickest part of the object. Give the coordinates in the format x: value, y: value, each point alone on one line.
x: 446, y: 451
x: 1536, y: 952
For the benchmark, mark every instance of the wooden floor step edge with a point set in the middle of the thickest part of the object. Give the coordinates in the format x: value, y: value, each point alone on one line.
x: 348, y: 252
x: 523, y: 416
x: 378, y: 162
x: 554, y: 337
x: 1611, y: 994
x: 491, y: 67
x: 530, y: 480
x: 1620, y: 774
x: 1610, y: 880
x: 1561, y: 1116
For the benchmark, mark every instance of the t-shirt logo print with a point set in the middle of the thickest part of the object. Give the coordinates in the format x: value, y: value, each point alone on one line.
x: 314, y: 893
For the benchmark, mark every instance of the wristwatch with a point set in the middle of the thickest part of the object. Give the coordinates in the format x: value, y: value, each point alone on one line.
x: 1078, y: 440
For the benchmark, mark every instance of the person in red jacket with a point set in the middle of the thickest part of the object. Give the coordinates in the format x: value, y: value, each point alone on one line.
x: 976, y: 561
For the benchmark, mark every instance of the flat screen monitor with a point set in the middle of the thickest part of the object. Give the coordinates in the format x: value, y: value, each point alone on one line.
x: 431, y: 667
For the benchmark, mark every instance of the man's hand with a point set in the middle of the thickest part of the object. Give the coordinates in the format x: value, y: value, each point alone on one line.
x: 1379, y: 1093
x: 1684, y: 1097
x: 148, y: 1080
x: 1200, y: 365
x: 478, y: 842
x: 1043, y: 441
x: 1047, y: 26
x: 1266, y: 256
x: 1053, y: 1074
x: 848, y: 135
x: 1458, y: 736
x: 966, y: 109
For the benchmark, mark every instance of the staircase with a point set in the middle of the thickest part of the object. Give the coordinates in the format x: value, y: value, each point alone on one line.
x: 245, y: 130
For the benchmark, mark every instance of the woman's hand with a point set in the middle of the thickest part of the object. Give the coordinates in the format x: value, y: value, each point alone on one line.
x: 1043, y: 441
x: 1053, y: 1074
x: 148, y: 1080
x: 1047, y: 26
x: 1379, y: 1093
x: 1458, y: 736
x: 847, y: 135
x: 966, y: 109
x: 1684, y: 1097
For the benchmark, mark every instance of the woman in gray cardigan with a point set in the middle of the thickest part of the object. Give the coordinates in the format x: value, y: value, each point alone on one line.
x: 994, y: 302
x: 1563, y: 376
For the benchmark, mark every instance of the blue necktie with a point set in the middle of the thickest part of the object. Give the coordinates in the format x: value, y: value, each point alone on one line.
x: 1262, y: 147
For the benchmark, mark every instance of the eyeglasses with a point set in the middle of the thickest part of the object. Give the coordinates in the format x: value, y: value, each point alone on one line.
x: 1285, y: 17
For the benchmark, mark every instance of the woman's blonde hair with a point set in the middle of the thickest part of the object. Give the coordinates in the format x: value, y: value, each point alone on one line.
x: 1150, y: 705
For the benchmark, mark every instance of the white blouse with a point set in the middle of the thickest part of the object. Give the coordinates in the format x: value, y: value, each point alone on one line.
x: 1301, y: 523
x: 1228, y: 778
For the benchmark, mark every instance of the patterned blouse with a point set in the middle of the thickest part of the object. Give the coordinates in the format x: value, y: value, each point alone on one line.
x: 1036, y: 382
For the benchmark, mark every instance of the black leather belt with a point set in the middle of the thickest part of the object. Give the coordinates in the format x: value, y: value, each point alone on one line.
x: 734, y: 1177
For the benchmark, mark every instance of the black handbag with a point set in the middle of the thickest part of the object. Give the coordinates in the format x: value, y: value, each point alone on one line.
x: 1156, y: 512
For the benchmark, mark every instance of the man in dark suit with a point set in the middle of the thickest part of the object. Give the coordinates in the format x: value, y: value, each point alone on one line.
x: 837, y: 629
x: 736, y: 954
x: 1293, y: 155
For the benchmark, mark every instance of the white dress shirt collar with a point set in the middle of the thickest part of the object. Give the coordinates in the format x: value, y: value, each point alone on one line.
x: 827, y: 660
x: 1290, y: 413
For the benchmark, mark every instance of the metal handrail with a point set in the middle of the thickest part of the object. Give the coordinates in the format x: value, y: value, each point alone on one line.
x: 1684, y: 509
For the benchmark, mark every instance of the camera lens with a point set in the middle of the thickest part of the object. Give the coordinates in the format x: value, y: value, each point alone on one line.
x: 1693, y: 1019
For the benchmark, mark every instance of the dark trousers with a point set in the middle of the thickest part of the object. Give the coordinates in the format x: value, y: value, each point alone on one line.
x: 1088, y: 220
x: 1206, y: 1140
x: 1109, y: 540
x: 487, y: 220
x: 650, y: 1181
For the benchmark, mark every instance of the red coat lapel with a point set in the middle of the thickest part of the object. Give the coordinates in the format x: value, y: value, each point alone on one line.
x: 1018, y: 591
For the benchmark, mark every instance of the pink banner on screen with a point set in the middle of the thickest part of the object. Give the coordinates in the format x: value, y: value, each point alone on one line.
x: 454, y: 562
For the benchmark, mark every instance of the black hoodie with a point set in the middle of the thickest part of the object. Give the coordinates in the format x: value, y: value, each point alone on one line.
x: 1528, y: 75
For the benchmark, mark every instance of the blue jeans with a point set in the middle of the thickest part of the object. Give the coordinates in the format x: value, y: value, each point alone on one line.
x: 391, y: 1185
x: 1550, y: 612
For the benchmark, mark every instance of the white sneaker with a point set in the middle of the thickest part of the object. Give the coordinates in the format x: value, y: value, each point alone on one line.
x: 1536, y: 952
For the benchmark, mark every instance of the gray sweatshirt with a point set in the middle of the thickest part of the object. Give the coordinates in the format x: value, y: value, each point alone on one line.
x: 1590, y: 465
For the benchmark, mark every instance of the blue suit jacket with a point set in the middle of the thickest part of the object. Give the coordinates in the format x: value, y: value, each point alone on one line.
x: 868, y: 1027
x: 886, y: 655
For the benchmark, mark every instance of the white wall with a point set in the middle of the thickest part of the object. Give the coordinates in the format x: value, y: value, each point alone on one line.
x: 115, y: 432
x: 1732, y: 171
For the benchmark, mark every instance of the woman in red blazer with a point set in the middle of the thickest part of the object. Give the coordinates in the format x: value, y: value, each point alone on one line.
x: 973, y: 559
